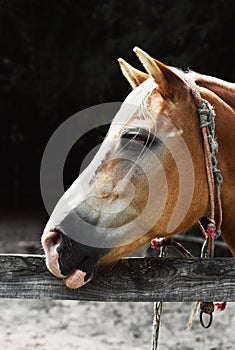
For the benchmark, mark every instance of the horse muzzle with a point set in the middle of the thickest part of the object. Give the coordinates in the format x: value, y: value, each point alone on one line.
x: 70, y: 260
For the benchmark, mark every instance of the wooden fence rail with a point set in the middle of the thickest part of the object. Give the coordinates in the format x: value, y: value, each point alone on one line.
x: 133, y: 279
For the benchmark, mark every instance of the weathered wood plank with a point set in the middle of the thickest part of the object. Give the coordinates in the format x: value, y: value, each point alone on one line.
x: 134, y: 279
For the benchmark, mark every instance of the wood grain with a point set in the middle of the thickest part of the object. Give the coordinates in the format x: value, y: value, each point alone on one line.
x: 133, y: 279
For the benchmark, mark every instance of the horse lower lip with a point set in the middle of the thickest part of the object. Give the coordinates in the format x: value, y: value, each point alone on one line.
x: 76, y: 279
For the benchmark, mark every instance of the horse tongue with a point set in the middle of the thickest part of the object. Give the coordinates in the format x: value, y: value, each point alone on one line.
x: 76, y: 279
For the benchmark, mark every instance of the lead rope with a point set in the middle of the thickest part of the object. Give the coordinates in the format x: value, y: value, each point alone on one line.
x: 157, y: 311
x: 161, y: 245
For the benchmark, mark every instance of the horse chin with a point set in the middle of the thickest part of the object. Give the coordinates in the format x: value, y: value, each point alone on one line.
x: 77, y: 279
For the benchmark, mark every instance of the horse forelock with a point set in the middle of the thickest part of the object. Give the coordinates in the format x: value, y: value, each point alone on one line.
x: 133, y: 107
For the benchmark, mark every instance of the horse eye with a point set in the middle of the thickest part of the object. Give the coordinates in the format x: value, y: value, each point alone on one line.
x: 140, y: 136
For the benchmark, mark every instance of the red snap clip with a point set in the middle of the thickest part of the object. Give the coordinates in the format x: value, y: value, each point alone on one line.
x: 156, y: 243
x: 211, y: 232
x: 220, y: 306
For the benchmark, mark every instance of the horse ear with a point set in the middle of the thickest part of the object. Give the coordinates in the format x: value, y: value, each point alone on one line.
x: 166, y: 79
x: 133, y: 75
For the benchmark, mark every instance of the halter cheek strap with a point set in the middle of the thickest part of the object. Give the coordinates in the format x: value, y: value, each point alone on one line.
x: 214, y: 178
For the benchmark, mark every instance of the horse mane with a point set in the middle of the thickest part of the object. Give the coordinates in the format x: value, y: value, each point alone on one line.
x: 223, y: 89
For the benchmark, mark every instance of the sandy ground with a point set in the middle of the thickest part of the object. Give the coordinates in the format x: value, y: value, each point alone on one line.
x: 68, y: 325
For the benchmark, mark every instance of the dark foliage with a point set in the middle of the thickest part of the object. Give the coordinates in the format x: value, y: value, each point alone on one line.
x: 58, y: 57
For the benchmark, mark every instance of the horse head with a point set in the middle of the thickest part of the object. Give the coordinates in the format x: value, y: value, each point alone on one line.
x: 147, y: 179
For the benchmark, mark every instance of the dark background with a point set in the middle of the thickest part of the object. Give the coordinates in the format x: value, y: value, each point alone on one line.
x: 59, y: 57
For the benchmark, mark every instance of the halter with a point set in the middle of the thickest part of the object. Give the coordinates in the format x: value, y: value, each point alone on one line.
x: 206, y: 114
x: 214, y: 178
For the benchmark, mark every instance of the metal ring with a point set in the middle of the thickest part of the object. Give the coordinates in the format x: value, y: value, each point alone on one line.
x: 202, y: 322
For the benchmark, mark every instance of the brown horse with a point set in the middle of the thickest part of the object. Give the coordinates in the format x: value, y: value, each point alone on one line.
x: 148, y: 179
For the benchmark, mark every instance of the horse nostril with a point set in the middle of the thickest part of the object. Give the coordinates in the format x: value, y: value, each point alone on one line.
x: 56, y: 239
x: 52, y: 239
x: 59, y: 242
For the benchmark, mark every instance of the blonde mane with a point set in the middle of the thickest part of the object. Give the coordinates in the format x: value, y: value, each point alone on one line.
x: 223, y: 89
